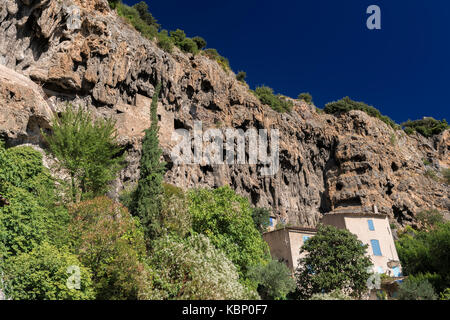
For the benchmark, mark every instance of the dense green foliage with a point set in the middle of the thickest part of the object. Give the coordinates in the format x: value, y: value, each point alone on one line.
x: 427, y: 252
x: 88, y: 149
x: 346, y: 104
x: 241, y: 76
x: 42, y: 274
x: 427, y: 126
x: 109, y: 241
x: 181, y: 41
x: 226, y: 219
x: 134, y: 17
x: 194, y: 268
x: 274, y: 279
x: 200, y: 42
x: 31, y: 216
x: 261, y: 218
x: 145, y: 15
x: 413, y: 289
x: 305, y: 96
x: 147, y: 198
x: 276, y: 102
x: 335, y: 260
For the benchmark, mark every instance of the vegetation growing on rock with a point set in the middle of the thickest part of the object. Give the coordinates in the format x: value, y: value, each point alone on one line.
x: 346, y: 104
x: 427, y: 126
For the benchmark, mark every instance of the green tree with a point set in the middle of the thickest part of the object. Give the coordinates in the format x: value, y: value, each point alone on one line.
x: 42, y: 274
x: 427, y: 126
x: 335, y: 260
x: 426, y: 252
x: 88, y: 149
x: 109, y: 241
x: 225, y: 218
x: 147, y: 198
x: 276, y: 102
x: 274, y: 280
x: 178, y: 36
x: 200, y: 42
x: 241, y: 76
x: 411, y: 289
x: 306, y: 96
x: 164, y: 41
x: 261, y: 218
x: 145, y: 15
x: 194, y: 269
x: 346, y: 104
x: 31, y: 215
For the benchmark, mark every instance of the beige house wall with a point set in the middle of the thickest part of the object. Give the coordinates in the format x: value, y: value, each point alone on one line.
x: 359, y: 226
x: 296, y: 240
x: 279, y: 244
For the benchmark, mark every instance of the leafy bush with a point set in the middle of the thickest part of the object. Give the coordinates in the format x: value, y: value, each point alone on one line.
x: 426, y: 252
x: 226, y: 219
x: 430, y: 217
x: 145, y: 15
x: 241, y: 76
x: 427, y: 126
x: 31, y: 216
x: 194, y: 269
x: 42, y: 275
x: 111, y: 243
x: 276, y: 102
x: 88, y: 149
x: 200, y: 42
x: 346, y: 104
x: 335, y: 260
x: 261, y: 218
x: 411, y: 289
x: 175, y: 217
x: 214, y: 55
x: 306, y: 96
x: 133, y: 17
x: 164, y: 41
x: 274, y: 280
x: 181, y: 41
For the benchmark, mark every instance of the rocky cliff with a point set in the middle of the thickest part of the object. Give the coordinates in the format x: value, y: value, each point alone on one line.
x: 80, y: 51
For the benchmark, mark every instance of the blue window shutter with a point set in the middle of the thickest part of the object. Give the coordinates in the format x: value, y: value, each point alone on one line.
x: 305, y: 238
x: 271, y: 221
x: 371, y: 227
x: 375, y: 247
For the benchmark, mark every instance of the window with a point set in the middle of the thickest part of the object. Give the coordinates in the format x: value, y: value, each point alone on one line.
x: 305, y: 238
x: 271, y: 222
x: 371, y: 227
x: 396, y: 271
x: 375, y: 247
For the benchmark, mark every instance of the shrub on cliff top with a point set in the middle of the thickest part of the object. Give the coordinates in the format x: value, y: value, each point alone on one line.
x: 427, y: 126
x: 346, y: 104
x: 214, y: 55
x: 276, y: 102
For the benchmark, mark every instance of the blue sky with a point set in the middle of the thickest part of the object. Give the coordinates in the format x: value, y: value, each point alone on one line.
x: 324, y: 47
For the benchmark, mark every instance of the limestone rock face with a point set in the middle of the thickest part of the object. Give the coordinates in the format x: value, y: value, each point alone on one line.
x: 82, y: 52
